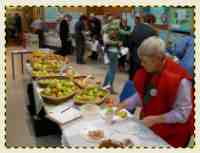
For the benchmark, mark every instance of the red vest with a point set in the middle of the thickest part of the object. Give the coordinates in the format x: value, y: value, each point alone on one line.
x: 167, y: 84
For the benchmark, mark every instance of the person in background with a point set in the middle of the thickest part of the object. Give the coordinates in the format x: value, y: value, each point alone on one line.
x: 138, y: 19
x: 112, y: 45
x: 188, y: 60
x: 164, y: 90
x: 37, y: 28
x: 142, y: 30
x: 72, y: 33
x: 64, y: 35
x: 184, y: 50
x: 80, y: 28
x: 94, y: 48
x: 59, y: 19
x: 95, y: 24
x: 104, y: 32
x: 106, y: 21
x: 95, y: 29
x: 18, y: 27
x: 124, y: 37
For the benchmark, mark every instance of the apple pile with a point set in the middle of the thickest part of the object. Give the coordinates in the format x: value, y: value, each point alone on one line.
x: 91, y: 94
x: 43, y: 73
x: 58, y: 87
x: 51, y: 65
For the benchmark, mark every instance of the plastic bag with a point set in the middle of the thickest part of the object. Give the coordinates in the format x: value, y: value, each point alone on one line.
x: 106, y: 59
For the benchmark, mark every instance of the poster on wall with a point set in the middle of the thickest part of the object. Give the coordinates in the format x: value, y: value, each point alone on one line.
x: 161, y: 14
x: 182, y: 19
x: 178, y: 18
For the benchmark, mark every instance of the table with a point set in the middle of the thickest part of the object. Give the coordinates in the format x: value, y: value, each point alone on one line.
x: 21, y: 53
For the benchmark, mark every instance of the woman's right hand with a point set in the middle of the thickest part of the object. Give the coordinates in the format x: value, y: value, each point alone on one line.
x: 121, y: 105
x: 112, y: 102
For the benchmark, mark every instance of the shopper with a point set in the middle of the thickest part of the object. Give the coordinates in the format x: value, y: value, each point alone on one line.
x: 165, y: 93
x: 18, y: 28
x: 142, y: 30
x: 37, y: 28
x: 184, y: 50
x: 80, y: 28
x: 112, y: 45
x: 187, y: 61
x: 64, y: 35
x: 124, y: 37
x: 72, y: 33
x: 95, y: 28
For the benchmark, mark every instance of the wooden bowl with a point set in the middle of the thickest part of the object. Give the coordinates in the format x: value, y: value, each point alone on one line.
x: 57, y: 100
x: 97, y: 101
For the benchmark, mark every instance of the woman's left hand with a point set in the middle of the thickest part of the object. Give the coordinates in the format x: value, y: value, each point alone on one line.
x: 149, y: 121
x: 152, y: 120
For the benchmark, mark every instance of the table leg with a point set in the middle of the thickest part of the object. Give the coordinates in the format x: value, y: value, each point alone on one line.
x: 22, y: 63
x: 13, y: 66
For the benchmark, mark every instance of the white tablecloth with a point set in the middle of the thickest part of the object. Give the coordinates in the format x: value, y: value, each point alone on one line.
x: 131, y: 128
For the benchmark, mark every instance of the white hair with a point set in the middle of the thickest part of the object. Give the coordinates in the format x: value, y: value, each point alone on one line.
x: 152, y: 46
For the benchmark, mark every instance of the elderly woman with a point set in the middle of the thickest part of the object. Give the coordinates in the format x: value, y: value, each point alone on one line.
x: 164, y: 91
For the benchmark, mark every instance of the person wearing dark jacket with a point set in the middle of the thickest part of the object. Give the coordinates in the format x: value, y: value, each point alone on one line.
x: 140, y: 33
x: 64, y: 35
x: 18, y: 27
x: 95, y: 24
x: 95, y: 28
x: 80, y: 27
x: 38, y: 28
x: 124, y: 37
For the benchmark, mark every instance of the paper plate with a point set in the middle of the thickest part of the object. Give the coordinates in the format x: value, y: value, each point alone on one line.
x: 84, y: 134
x: 89, y: 109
